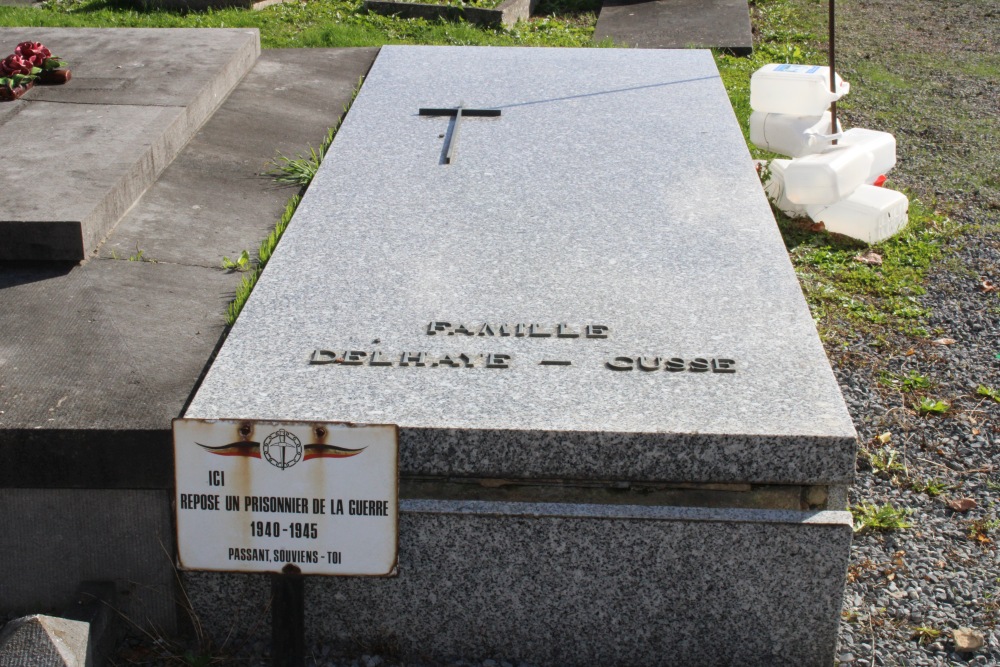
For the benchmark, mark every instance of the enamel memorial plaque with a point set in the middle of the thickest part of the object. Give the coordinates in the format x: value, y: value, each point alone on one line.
x: 255, y: 496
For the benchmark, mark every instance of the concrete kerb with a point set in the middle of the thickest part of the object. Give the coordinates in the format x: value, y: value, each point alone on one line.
x: 84, y: 635
x: 506, y: 13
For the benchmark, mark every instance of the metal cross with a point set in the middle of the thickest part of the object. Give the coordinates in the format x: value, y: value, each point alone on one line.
x: 458, y: 112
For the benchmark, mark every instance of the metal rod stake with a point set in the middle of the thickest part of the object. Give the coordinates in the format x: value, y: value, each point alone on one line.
x: 833, y: 76
x: 288, y: 618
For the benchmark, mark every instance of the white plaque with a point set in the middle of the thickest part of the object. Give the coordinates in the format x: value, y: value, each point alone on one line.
x: 254, y: 496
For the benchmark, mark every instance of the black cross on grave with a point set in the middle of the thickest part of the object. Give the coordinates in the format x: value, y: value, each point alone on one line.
x: 458, y: 113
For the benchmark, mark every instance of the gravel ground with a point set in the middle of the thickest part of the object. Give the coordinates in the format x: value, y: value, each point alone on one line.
x: 909, y: 590
x: 925, y: 70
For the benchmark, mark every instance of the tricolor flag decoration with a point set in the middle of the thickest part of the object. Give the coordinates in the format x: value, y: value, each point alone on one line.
x: 251, y: 449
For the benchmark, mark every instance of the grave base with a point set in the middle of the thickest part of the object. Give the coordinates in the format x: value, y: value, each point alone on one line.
x: 574, y: 584
x: 56, y: 538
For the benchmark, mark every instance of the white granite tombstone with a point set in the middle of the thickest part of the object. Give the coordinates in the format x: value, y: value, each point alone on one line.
x: 621, y: 441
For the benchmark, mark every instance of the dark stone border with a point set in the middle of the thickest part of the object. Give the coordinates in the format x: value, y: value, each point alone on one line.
x: 86, y: 459
x: 507, y: 13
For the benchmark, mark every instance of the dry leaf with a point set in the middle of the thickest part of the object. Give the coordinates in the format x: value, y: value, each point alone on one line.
x: 911, y: 352
x: 884, y: 438
x: 870, y: 257
x: 943, y: 341
x: 987, y: 285
x: 962, y: 504
x: 975, y: 431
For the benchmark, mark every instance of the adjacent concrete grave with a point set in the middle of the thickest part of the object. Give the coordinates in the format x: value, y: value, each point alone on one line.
x: 616, y: 420
x: 677, y: 24
x: 88, y: 149
x: 98, y: 358
x: 506, y: 13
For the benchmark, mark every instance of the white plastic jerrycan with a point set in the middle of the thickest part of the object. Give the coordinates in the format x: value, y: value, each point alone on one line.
x: 824, y: 178
x: 796, y: 90
x: 793, y: 136
x: 869, y: 214
x: 881, y: 145
x: 774, y: 187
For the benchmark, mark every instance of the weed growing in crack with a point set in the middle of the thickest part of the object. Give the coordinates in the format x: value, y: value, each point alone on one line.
x: 925, y: 634
x: 929, y: 405
x: 932, y: 487
x: 988, y: 392
x: 886, y: 518
x: 241, y: 263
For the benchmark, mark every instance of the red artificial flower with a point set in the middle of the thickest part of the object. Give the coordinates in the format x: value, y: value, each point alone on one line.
x: 14, y: 64
x: 33, y: 52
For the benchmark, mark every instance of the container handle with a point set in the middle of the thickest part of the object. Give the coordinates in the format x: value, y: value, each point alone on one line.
x: 824, y: 139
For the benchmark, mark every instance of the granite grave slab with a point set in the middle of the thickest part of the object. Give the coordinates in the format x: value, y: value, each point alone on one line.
x: 136, y: 97
x: 583, y: 294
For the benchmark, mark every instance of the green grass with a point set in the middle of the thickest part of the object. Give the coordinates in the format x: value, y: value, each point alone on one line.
x: 241, y: 263
x: 885, y: 460
x: 322, y: 23
x: 301, y: 169
x: 981, y: 530
x: 883, y: 519
x: 925, y: 634
x: 484, y: 4
x: 909, y: 383
x: 298, y: 170
x: 929, y: 405
x: 988, y: 392
x: 264, y: 253
x: 851, y: 299
x: 932, y: 487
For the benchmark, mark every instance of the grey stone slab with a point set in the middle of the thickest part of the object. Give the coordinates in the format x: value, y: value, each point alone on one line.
x: 51, y: 540
x: 555, y: 584
x: 136, y: 98
x: 111, y: 345
x: 615, y: 189
x: 95, y: 363
x: 44, y: 641
x: 677, y: 24
x: 216, y: 199
x: 95, y: 360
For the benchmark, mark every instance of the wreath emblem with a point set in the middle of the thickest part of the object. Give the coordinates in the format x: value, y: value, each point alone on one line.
x: 282, y: 449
